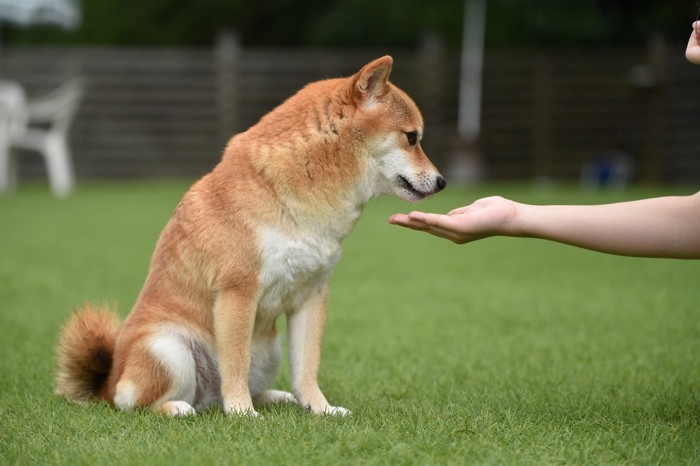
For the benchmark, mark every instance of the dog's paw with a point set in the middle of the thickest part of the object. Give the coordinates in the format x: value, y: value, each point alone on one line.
x: 334, y: 411
x: 178, y: 408
x: 274, y: 397
x: 338, y: 411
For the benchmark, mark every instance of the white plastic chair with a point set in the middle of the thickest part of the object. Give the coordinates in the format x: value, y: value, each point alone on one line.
x: 13, y: 122
x: 48, y: 122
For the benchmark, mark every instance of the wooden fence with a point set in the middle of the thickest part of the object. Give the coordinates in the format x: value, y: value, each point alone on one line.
x: 169, y: 112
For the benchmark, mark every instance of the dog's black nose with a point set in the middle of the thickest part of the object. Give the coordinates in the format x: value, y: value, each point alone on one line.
x: 441, y: 183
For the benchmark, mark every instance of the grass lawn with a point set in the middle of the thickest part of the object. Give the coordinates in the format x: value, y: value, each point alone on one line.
x: 505, y: 351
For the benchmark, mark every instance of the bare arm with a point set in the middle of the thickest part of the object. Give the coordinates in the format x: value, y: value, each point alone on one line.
x: 657, y: 227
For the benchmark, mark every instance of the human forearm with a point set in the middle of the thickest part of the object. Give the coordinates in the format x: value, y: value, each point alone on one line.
x: 658, y: 227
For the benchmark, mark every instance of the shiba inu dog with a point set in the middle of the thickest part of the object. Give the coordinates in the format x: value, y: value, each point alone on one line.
x: 254, y: 239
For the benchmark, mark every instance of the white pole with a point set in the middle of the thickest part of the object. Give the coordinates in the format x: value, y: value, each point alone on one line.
x: 469, y: 119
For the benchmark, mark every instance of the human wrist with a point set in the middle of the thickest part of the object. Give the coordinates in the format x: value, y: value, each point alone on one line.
x: 515, y: 224
x: 529, y: 221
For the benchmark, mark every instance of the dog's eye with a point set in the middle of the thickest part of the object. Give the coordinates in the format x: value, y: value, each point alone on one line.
x: 412, y: 138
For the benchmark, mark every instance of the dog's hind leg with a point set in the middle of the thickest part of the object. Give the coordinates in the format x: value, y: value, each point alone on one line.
x: 177, y: 408
x: 160, y: 372
x: 172, y: 348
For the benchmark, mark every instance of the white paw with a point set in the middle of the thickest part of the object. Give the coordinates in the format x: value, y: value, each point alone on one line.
x: 336, y: 411
x: 178, y: 408
x: 275, y: 396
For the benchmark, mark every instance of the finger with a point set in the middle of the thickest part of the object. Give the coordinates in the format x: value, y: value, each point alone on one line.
x: 398, y: 218
x: 405, y: 221
x: 693, y: 39
x: 446, y: 234
x: 459, y: 210
x: 408, y: 222
x: 692, y: 52
x: 421, y: 217
x: 417, y: 215
x: 443, y: 221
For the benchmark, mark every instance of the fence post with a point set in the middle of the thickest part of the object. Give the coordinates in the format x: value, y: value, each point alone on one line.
x: 542, y: 117
x: 227, y: 54
x: 430, y: 88
x: 653, y: 99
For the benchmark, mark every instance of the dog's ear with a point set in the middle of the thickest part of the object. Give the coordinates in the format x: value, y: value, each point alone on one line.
x: 371, y: 83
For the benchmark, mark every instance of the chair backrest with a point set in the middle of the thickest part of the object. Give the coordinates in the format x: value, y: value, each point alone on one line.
x: 58, y: 107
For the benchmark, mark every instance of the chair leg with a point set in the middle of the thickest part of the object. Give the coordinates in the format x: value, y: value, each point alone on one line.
x: 59, y: 166
x: 4, y: 168
x: 8, y: 169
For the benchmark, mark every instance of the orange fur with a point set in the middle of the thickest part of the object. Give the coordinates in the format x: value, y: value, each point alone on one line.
x: 84, y: 353
x: 254, y: 239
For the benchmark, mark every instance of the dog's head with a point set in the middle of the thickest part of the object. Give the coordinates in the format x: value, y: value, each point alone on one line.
x: 394, y: 128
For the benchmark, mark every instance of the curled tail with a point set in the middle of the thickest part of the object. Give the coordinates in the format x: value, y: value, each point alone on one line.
x: 84, y: 353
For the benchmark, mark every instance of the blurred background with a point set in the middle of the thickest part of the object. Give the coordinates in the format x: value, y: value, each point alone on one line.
x: 589, y: 91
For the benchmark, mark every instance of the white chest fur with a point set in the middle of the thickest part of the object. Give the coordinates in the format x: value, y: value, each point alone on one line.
x: 293, y: 267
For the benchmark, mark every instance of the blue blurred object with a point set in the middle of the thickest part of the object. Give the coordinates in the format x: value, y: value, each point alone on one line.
x: 608, y: 169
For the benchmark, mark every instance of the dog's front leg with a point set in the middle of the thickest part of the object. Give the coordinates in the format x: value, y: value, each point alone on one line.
x: 305, y: 334
x: 234, y: 318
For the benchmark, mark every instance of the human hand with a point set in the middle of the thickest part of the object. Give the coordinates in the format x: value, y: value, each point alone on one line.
x: 692, y: 52
x: 486, y: 217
